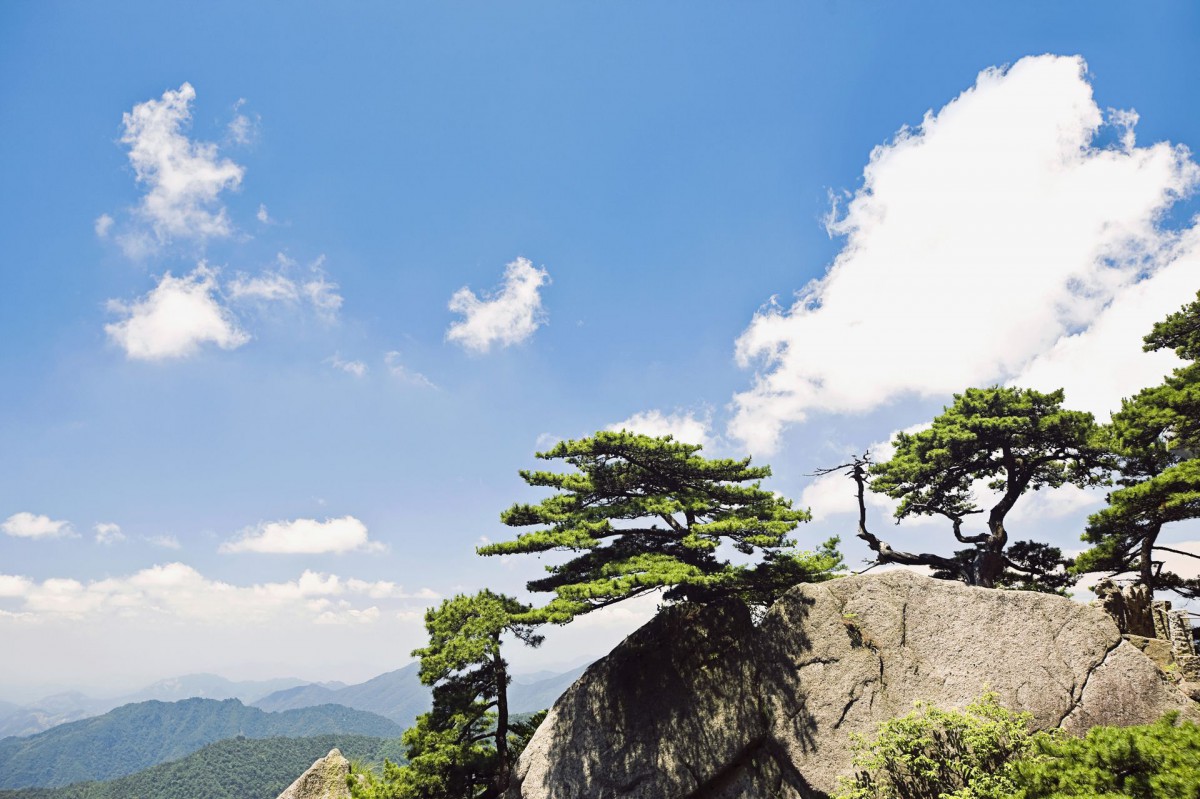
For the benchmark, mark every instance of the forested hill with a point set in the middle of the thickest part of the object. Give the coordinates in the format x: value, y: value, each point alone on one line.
x: 133, y: 737
x: 239, y: 768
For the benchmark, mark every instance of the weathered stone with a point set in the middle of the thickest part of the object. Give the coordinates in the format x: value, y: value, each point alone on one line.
x: 1158, y: 650
x: 688, y: 705
x: 1131, y: 607
x: 1183, y: 648
x: 1162, y: 625
x: 325, y: 779
x: 698, y: 703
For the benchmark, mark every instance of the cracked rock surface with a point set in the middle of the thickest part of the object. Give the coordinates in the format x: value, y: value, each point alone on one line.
x: 700, y: 703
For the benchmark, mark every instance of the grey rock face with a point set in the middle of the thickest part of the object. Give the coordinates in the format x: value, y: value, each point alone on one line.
x: 699, y: 703
x: 325, y: 779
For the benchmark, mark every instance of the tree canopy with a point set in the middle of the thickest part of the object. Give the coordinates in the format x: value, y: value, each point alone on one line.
x: 461, y: 749
x: 1156, y: 435
x: 646, y: 513
x: 1010, y: 440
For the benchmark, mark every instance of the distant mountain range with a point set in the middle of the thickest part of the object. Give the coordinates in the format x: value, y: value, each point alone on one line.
x: 397, y: 695
x: 236, y: 768
x: 137, y: 736
x: 400, y: 696
x: 149, y: 734
x: 70, y: 706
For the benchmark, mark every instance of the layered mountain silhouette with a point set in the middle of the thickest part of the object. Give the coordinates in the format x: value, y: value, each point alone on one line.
x: 136, y: 736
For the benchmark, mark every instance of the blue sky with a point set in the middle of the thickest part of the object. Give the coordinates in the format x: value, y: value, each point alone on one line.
x: 319, y: 184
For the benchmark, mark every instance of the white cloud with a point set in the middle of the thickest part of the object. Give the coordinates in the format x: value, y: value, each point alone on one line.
x: 163, y: 541
x: 1099, y: 366
x: 835, y: 493
x: 1052, y: 503
x: 262, y: 215
x: 356, y: 368
x: 102, y: 225
x: 279, y: 286
x: 304, y: 536
x: 12, y: 585
x: 177, y: 592
x: 108, y: 533
x: 242, y: 129
x: 977, y: 242
x: 178, y: 316
x: 267, y: 287
x: 402, y: 372
x: 685, y: 427
x: 383, y: 589
x: 323, y: 295
x: 29, y: 525
x: 349, y: 615
x: 184, y: 178
x: 507, y: 317
x: 1186, y: 567
x: 545, y: 441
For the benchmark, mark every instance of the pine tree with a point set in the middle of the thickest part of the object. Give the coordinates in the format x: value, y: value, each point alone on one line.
x: 1157, y: 436
x: 647, y: 513
x: 461, y: 748
x: 1015, y: 440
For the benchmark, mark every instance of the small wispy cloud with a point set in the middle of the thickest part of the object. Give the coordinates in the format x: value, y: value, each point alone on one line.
x: 356, y: 368
x: 398, y: 370
x: 243, y: 128
x: 288, y: 282
x: 506, y: 317
x: 265, y: 287
x: 102, y: 226
x: 163, y: 541
x: 108, y: 533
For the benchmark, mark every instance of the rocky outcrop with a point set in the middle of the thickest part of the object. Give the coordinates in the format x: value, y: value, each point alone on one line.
x: 325, y: 779
x: 701, y: 703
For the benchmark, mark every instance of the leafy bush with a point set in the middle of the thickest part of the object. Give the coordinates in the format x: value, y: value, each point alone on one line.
x: 939, y: 754
x: 1151, y: 761
x: 988, y: 752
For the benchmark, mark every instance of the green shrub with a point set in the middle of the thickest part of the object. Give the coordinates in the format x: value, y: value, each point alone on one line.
x: 936, y: 754
x: 988, y: 752
x: 1151, y: 761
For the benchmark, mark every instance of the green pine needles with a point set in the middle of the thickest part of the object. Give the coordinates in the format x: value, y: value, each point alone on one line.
x: 647, y: 513
x: 1156, y: 436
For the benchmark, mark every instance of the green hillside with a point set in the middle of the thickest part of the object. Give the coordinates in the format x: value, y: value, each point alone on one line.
x: 137, y: 736
x: 238, y: 768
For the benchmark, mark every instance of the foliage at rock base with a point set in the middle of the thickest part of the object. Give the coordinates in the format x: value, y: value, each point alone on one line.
x: 988, y: 752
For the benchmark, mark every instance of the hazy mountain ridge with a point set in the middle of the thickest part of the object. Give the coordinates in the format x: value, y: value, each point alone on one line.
x: 136, y: 736
x: 61, y: 708
x: 236, y: 768
x: 399, y: 695
x: 530, y: 693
